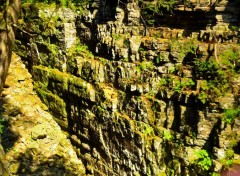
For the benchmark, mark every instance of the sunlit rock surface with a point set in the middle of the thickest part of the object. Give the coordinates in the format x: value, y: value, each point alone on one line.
x: 132, y: 101
x: 33, y: 142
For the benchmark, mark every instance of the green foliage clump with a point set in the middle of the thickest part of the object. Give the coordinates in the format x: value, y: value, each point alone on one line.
x: 184, y: 85
x: 53, y: 49
x: 183, y: 49
x: 165, y: 82
x: 234, y: 28
x: 229, y: 58
x: 203, y: 160
x: 167, y: 135
x: 207, y: 70
x: 203, y: 94
x: 79, y: 49
x: 227, y: 161
x: 147, y: 130
x: 150, y: 9
x: 144, y: 66
x: 76, y: 5
x: 144, y: 128
x: 217, y: 74
x: 230, y: 115
x: 215, y: 81
x: 117, y: 36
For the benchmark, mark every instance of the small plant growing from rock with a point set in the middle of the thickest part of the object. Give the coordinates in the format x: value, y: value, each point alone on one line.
x: 183, y: 49
x: 230, y: 115
x: 229, y: 58
x: 165, y: 82
x: 144, y: 66
x: 79, y: 49
x: 144, y: 128
x: 215, y: 81
x: 116, y: 36
x: 148, y: 130
x: 203, y: 160
x: 227, y: 161
x: 167, y: 135
x: 126, y: 42
x: 184, y: 85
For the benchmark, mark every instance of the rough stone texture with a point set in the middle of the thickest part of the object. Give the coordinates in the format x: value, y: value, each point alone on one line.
x: 4, y: 170
x: 33, y: 141
x: 51, y: 32
x: 8, y: 18
x: 115, y: 104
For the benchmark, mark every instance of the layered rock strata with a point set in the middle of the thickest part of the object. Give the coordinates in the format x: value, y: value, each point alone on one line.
x: 135, y: 104
x: 33, y: 141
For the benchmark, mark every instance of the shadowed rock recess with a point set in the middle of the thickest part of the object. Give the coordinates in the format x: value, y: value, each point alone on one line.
x: 137, y: 99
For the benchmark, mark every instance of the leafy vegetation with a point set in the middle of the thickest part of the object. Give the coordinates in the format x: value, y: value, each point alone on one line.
x: 144, y: 128
x: 165, y: 82
x: 230, y: 115
x: 183, y: 48
x: 184, y: 84
x: 79, y: 49
x: 144, y: 66
x: 227, y: 161
x: 73, y: 4
x: 167, y: 135
x: 53, y: 49
x: 151, y: 9
x: 215, y: 81
x: 62, y: 2
x: 203, y: 159
x: 147, y: 130
x: 229, y: 59
x: 217, y: 75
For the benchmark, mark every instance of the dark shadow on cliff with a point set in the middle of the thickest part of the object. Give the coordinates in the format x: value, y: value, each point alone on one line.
x: 177, y: 117
x: 198, y: 19
x: 7, y: 111
x: 237, y: 148
x: 213, y: 138
x: 192, y: 119
x: 188, y: 117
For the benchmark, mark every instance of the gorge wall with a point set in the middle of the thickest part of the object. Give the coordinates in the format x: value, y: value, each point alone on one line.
x: 140, y: 100
x: 8, y: 16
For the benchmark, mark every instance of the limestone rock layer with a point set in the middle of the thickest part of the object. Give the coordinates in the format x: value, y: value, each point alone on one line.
x: 138, y: 99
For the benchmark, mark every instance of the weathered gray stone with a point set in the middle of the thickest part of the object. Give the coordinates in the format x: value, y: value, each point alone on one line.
x: 133, y: 14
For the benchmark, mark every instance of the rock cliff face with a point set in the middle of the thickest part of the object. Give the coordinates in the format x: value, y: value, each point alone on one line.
x: 34, y: 143
x: 8, y: 17
x: 140, y: 100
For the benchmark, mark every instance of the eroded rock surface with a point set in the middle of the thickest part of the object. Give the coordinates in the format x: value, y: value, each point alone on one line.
x: 135, y: 104
x: 33, y: 141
